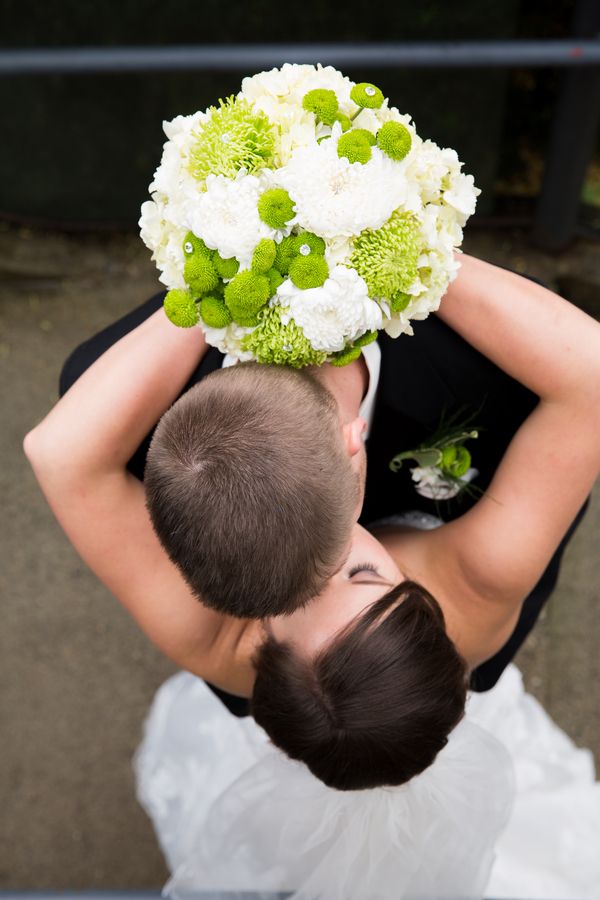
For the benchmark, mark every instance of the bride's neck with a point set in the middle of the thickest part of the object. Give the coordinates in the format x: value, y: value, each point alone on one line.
x: 348, y: 384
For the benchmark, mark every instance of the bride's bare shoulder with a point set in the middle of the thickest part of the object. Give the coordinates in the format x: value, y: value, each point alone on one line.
x: 478, y: 623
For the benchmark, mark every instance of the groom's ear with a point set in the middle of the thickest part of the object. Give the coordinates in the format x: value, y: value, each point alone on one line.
x: 354, y: 436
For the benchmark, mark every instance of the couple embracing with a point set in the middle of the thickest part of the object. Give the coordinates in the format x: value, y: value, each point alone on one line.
x: 272, y: 552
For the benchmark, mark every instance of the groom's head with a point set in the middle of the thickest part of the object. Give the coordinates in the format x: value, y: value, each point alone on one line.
x: 253, y: 484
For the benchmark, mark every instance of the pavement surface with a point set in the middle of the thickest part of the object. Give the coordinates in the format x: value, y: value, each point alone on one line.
x: 77, y: 676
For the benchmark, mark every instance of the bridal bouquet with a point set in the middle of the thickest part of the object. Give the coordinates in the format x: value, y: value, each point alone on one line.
x: 300, y: 217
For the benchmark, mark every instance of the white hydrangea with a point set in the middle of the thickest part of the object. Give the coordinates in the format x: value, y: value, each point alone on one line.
x: 335, y: 198
x: 228, y: 340
x: 334, y: 314
x: 166, y: 242
x: 226, y: 216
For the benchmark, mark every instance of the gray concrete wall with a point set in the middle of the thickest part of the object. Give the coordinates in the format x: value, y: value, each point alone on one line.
x: 77, y: 677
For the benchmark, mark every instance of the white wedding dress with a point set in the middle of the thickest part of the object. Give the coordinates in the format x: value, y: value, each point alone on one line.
x: 509, y: 809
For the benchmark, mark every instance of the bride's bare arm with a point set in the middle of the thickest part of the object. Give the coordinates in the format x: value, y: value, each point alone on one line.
x: 79, y: 454
x: 503, y: 544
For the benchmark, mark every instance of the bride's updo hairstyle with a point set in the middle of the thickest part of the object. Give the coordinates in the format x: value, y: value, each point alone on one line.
x: 377, y: 704
x: 250, y: 489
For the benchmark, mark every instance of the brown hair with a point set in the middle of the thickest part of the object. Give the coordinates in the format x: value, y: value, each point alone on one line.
x: 374, y: 707
x: 250, y: 489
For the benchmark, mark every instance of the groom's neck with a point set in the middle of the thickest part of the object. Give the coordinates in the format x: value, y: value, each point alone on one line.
x: 348, y: 384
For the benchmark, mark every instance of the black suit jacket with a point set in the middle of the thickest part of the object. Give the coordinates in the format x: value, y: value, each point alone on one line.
x: 423, y: 377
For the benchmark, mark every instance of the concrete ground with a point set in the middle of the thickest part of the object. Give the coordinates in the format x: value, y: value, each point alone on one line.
x: 77, y: 676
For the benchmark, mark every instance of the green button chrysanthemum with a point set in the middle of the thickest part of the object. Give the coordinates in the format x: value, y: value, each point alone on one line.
x: 456, y: 460
x: 236, y: 136
x: 387, y: 257
x: 284, y: 254
x: 200, y: 274
x: 367, y: 95
x: 354, y: 147
x: 275, y: 207
x: 274, y: 343
x: 180, y: 308
x: 275, y: 279
x: 323, y: 103
x: 263, y: 256
x: 193, y: 245
x: 394, y: 139
x: 344, y: 120
x: 309, y: 271
x: 226, y: 268
x: 306, y: 242
x: 214, y: 312
x: 245, y: 295
x: 346, y: 356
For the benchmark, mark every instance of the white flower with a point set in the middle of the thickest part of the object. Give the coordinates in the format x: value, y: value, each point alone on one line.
x: 226, y: 216
x: 462, y: 195
x: 335, y: 198
x: 228, y: 340
x: 166, y: 242
x: 431, y: 482
x: 334, y: 314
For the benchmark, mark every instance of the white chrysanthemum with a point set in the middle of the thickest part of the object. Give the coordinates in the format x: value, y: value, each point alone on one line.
x: 226, y: 216
x: 228, y: 340
x: 338, y: 251
x: 165, y: 241
x: 332, y: 315
x: 335, y: 198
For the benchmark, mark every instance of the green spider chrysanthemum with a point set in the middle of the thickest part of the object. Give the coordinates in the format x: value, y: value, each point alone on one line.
x: 387, y: 257
x: 275, y: 207
x: 236, y: 136
x: 346, y: 356
x: 394, y: 139
x: 323, y: 103
x: 225, y: 268
x: 309, y: 271
x: 180, y: 308
x: 274, y: 343
x: 354, y: 147
x: 284, y: 254
x: 245, y: 295
x: 263, y: 256
x: 367, y: 95
x: 306, y: 239
x: 214, y: 312
x: 200, y: 274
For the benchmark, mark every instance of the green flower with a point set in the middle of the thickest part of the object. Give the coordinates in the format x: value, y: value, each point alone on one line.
x: 323, y: 103
x: 399, y: 301
x: 193, y: 245
x: 245, y: 295
x: 180, y: 308
x: 387, y: 257
x: 284, y: 254
x: 200, y: 274
x: 309, y: 271
x: 275, y: 279
x: 346, y: 356
x: 306, y: 239
x: 275, y: 207
x: 214, y: 312
x: 235, y: 137
x: 367, y: 338
x: 367, y: 95
x: 456, y: 460
x: 344, y: 120
x: 225, y: 268
x: 354, y: 147
x: 274, y: 343
x: 394, y: 139
x: 263, y: 256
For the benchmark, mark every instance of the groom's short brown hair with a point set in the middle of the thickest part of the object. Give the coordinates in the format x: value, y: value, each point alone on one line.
x: 250, y: 489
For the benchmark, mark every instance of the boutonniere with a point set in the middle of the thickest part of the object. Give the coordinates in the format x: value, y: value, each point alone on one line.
x: 443, y: 469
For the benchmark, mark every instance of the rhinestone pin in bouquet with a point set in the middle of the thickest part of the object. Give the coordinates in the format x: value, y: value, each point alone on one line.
x: 297, y: 219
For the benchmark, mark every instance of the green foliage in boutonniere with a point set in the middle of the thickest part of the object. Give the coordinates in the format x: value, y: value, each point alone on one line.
x: 443, y: 467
